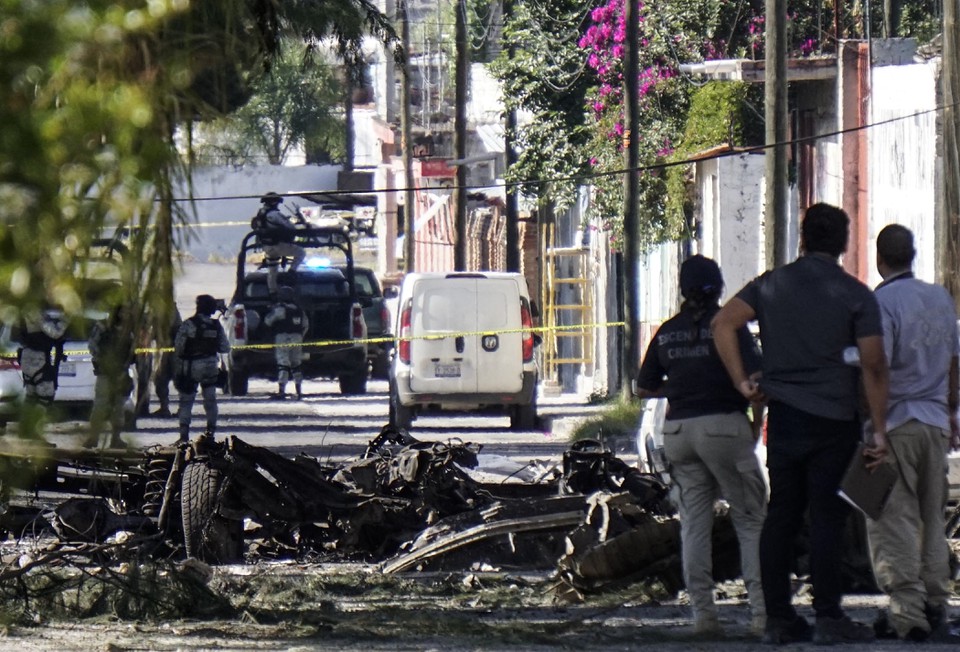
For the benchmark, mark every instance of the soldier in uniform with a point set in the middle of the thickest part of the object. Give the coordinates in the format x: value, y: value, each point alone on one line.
x: 276, y: 234
x: 112, y: 349
x: 198, y: 344
x: 166, y: 369
x: 41, y: 347
x: 289, y: 324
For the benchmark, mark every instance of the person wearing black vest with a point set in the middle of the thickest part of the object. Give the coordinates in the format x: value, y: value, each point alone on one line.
x: 276, y: 234
x: 289, y: 324
x: 708, y: 440
x: 41, y: 339
x: 198, y: 344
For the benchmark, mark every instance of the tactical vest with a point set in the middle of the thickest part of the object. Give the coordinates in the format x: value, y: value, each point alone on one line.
x: 269, y: 233
x: 292, y: 321
x: 37, y: 340
x: 206, y: 341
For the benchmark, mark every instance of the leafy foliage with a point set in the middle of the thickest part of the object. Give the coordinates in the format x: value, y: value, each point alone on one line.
x: 720, y: 113
x: 297, y: 103
x: 618, y: 420
x: 544, y: 77
x: 91, y: 95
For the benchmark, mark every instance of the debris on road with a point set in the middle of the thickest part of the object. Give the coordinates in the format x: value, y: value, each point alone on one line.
x: 595, y: 521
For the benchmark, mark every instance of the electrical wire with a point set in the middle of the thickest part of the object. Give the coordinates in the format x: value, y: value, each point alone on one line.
x: 597, y: 175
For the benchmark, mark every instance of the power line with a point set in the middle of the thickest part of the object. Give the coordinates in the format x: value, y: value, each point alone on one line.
x: 597, y: 175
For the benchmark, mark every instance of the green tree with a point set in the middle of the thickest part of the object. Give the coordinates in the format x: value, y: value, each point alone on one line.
x: 91, y: 95
x: 295, y: 104
x: 544, y: 77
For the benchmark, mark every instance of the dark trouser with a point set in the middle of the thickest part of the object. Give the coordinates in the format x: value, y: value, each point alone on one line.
x: 807, y: 456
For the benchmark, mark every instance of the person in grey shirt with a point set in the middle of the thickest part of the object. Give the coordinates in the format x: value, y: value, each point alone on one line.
x: 907, y: 544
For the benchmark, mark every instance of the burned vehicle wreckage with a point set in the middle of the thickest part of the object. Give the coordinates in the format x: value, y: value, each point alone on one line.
x: 405, y: 504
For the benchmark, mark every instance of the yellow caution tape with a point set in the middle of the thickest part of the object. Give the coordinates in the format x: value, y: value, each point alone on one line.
x: 376, y: 340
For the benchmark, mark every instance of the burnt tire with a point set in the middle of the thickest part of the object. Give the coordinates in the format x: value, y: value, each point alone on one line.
x: 380, y: 366
x: 354, y: 383
x: 207, y: 535
x: 953, y: 524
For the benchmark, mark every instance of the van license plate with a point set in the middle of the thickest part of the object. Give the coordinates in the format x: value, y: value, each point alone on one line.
x: 68, y: 369
x: 447, y: 371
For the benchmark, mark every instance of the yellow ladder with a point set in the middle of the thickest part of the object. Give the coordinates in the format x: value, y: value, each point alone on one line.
x: 564, y: 268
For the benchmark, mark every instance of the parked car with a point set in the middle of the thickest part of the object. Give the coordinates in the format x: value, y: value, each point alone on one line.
x: 462, y: 346
x: 75, y: 378
x: 377, y: 316
x: 334, y: 346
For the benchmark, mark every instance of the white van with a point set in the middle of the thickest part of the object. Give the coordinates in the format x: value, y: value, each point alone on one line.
x: 462, y: 345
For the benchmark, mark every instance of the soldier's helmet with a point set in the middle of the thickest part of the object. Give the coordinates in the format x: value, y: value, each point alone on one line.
x: 206, y: 304
x: 271, y: 199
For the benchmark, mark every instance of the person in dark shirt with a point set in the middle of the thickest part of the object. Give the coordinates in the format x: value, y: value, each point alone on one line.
x: 708, y: 440
x: 809, y: 313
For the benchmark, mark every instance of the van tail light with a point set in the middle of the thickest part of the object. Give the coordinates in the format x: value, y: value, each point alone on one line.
x: 8, y: 363
x: 239, y: 323
x: 403, y: 347
x: 526, y: 321
x: 359, y: 325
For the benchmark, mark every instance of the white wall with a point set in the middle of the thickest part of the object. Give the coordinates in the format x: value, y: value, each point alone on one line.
x: 732, y: 217
x: 902, y: 160
x: 227, y: 198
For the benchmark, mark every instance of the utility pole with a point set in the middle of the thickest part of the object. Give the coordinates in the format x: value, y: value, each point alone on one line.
x: 406, y: 144
x: 349, y: 141
x: 950, y: 216
x: 511, y: 210
x: 775, y: 100
x: 460, y: 140
x: 631, y: 188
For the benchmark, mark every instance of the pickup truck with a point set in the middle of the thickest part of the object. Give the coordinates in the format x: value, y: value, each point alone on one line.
x: 377, y: 316
x: 334, y: 346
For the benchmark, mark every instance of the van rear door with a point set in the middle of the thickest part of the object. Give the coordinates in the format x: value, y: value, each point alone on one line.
x: 460, y: 344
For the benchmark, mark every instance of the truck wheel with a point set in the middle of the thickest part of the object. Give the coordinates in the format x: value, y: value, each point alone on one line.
x: 380, y: 367
x: 207, y: 536
x: 353, y: 384
x: 237, y: 381
x: 523, y: 417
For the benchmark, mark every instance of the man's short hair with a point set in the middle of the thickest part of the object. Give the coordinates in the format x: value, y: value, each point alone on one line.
x: 895, y: 246
x: 825, y: 229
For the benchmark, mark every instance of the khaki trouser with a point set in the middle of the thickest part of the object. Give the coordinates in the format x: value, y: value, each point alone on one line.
x: 288, y: 357
x: 911, y: 558
x: 711, y: 457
